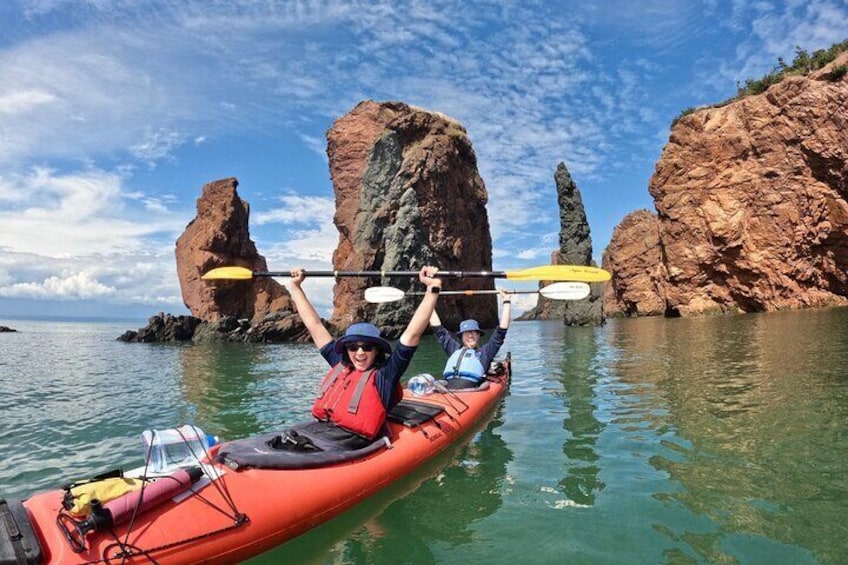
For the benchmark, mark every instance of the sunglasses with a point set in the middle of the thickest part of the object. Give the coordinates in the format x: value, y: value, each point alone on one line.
x: 366, y: 347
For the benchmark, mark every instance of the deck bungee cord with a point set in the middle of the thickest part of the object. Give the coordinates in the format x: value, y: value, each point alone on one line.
x: 104, y: 516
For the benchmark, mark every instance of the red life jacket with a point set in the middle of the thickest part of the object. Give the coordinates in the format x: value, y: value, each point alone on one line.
x: 350, y: 399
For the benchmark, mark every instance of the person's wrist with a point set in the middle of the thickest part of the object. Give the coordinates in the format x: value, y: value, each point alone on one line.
x: 434, y: 289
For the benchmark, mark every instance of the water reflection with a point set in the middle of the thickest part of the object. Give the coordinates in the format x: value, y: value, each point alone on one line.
x: 437, y: 512
x: 236, y: 390
x: 758, y: 406
x: 579, y: 380
x: 442, y: 511
x: 216, y: 381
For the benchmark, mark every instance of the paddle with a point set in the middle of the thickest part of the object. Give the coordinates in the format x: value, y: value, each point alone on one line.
x: 556, y: 291
x: 578, y: 273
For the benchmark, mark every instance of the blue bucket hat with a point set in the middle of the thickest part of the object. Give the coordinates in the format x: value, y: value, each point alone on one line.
x: 470, y: 326
x: 363, y: 332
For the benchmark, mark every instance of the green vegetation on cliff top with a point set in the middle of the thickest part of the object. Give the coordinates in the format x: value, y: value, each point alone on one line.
x: 803, y: 64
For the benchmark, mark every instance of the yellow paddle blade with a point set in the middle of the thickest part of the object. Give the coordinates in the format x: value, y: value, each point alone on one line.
x: 228, y: 273
x: 579, y: 273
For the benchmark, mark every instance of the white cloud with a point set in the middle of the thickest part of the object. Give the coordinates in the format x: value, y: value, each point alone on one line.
x: 145, y: 278
x: 533, y: 254
x: 79, y: 214
x: 307, y: 247
x: 504, y: 95
x: 88, y: 87
x: 156, y: 145
x: 775, y: 30
x: 80, y: 236
x: 311, y: 248
x: 66, y: 287
x: 300, y: 210
x: 523, y: 302
x: 24, y: 101
x: 315, y: 144
x: 154, y: 205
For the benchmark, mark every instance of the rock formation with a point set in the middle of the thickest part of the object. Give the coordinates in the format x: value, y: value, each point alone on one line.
x: 283, y: 326
x: 408, y: 194
x: 751, y: 208
x: 217, y: 237
x: 163, y: 328
x: 634, y: 255
x: 575, y: 248
x: 256, y: 310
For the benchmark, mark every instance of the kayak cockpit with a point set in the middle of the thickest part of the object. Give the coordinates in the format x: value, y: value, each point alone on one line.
x: 318, y: 444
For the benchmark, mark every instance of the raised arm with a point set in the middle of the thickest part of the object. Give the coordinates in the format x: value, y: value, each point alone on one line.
x: 420, y: 319
x: 307, y: 312
x: 507, y: 310
x: 435, y: 320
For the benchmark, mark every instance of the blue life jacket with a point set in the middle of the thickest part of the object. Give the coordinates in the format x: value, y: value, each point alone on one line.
x: 464, y: 363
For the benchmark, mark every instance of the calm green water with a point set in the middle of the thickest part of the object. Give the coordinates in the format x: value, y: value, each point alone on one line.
x: 717, y: 440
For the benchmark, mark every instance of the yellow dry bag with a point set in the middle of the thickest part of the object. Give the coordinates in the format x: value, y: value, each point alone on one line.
x: 78, y: 498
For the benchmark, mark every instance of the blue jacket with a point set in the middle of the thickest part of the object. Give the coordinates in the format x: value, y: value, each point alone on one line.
x: 485, y: 353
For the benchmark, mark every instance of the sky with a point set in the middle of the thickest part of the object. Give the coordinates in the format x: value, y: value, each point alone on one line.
x: 115, y: 113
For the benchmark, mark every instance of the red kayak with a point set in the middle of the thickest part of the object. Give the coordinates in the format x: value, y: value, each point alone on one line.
x: 249, y: 495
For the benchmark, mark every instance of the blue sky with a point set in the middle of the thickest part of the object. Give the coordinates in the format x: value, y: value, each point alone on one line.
x: 114, y: 114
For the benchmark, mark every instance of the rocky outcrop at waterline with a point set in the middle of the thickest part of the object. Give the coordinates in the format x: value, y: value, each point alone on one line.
x: 163, y: 328
x: 575, y: 248
x: 276, y: 327
x: 408, y: 194
x: 752, y: 208
x: 7, y: 329
x: 259, y: 309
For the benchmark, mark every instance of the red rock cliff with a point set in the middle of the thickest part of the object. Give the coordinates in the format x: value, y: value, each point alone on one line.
x: 635, y: 257
x: 218, y: 237
x: 751, y: 208
x: 408, y: 193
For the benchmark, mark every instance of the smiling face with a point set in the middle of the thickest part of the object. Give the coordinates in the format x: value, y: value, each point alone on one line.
x: 362, y: 355
x: 470, y: 339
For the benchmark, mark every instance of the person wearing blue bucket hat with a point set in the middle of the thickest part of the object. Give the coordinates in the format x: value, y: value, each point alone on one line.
x: 467, y: 360
x: 365, y: 333
x: 365, y: 370
x: 469, y: 326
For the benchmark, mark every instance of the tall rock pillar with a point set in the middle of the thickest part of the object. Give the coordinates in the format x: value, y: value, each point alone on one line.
x: 408, y: 194
x: 575, y: 248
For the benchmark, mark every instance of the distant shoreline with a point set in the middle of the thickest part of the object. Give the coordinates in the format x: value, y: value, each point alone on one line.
x: 133, y: 322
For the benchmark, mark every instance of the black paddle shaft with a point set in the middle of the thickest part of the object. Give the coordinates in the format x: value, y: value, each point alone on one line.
x: 440, y: 274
